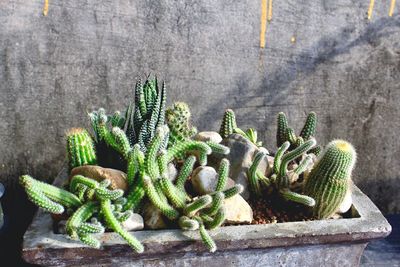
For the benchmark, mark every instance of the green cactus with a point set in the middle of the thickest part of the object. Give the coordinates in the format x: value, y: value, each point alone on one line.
x: 218, y: 148
x: 188, y: 224
x: 205, y: 236
x: 48, y: 197
x: 186, y: 146
x: 185, y: 172
x: 80, y: 216
x: 329, y: 179
x: 228, y: 124
x: 218, y: 220
x: 234, y: 190
x: 252, y: 174
x: 217, y: 201
x: 115, y: 225
x: 223, y: 173
x: 178, y: 121
x: 197, y: 205
x: 285, y: 133
x: 80, y: 148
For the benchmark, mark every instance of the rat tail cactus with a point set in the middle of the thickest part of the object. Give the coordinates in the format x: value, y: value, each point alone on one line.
x: 309, y: 126
x: 178, y: 120
x: 80, y: 148
x: 329, y: 179
x: 228, y: 124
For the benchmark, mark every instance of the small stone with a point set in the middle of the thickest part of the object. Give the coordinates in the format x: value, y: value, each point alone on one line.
x: 347, y: 202
x: 208, y: 136
x: 153, y: 218
x: 134, y: 222
x: 172, y: 172
x: 237, y: 210
x: 204, y: 180
x: 117, y: 177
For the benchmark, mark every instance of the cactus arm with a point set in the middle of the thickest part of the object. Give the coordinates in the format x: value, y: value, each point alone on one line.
x: 205, y: 236
x: 299, y: 198
x: 223, y: 172
x: 185, y: 146
x: 316, y: 150
x: 218, y: 148
x: 252, y: 174
x: 219, y: 219
x: 291, y: 136
x: 202, y: 159
x: 218, y: 200
x: 133, y: 164
x: 186, y: 223
x: 80, y: 179
x: 176, y: 196
x: 304, y: 164
x: 115, y: 225
x: 50, y: 192
x: 81, y: 215
x: 151, y: 154
x: 278, y: 156
x: 39, y: 199
x: 197, y: 205
x: 309, y: 126
x: 185, y: 171
x: 236, y: 189
x: 89, y: 240
x: 122, y: 142
x: 154, y: 197
x: 80, y: 148
x: 161, y: 113
x: 282, y: 128
x: 134, y: 197
x: 102, y: 192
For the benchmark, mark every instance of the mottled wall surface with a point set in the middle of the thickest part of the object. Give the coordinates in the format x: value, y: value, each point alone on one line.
x: 88, y: 54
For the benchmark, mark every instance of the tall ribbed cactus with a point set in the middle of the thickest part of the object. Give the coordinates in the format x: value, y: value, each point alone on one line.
x: 147, y: 113
x: 329, y: 179
x: 80, y: 148
x: 178, y: 121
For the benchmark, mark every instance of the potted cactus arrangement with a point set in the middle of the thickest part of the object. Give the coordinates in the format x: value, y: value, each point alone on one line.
x: 147, y: 180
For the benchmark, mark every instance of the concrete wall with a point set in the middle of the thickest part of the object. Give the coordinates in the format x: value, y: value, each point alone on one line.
x: 88, y: 54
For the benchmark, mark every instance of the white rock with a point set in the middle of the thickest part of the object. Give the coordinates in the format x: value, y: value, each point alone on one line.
x: 172, y: 172
x: 153, y: 218
x: 237, y: 210
x: 346, y: 204
x: 208, y: 136
x: 134, y: 222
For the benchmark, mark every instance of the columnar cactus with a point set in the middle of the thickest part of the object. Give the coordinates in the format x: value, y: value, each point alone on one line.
x: 228, y: 124
x: 80, y: 148
x: 178, y: 121
x: 329, y: 179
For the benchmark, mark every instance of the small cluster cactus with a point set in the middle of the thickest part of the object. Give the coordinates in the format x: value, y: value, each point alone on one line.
x: 80, y: 148
x: 148, y: 138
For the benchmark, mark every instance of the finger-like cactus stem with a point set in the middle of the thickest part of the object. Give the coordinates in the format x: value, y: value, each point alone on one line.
x: 47, y: 196
x: 208, y: 241
x: 228, y: 124
x: 316, y: 150
x: 186, y: 223
x: 154, y: 197
x: 219, y: 219
x: 81, y: 215
x: 115, y: 225
x: 185, y: 172
x: 80, y: 148
x: 178, y: 120
x: 174, y: 194
x: 329, y: 179
x: 198, y: 204
x: 304, y: 164
x: 133, y: 164
x: 309, y: 126
x: 299, y: 198
x: 218, y: 148
x: 282, y: 128
x: 122, y: 141
x: 134, y: 197
x: 278, y: 156
x: 89, y: 240
x: 236, y: 189
x: 223, y: 172
x: 291, y: 136
x: 183, y: 147
x: 151, y: 154
x: 252, y: 174
x: 218, y: 200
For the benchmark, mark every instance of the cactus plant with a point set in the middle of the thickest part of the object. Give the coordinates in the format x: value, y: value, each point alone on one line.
x: 178, y: 121
x: 329, y: 179
x: 80, y: 148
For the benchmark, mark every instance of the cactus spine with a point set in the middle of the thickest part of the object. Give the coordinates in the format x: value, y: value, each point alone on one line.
x: 80, y: 148
x: 329, y: 179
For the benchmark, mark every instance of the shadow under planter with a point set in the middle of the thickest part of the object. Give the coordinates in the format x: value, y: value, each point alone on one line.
x: 338, y: 242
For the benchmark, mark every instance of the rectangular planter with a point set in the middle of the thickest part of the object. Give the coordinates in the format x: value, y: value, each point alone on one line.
x: 338, y: 242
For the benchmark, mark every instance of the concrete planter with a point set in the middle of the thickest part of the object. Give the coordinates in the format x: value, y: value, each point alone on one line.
x: 317, y: 243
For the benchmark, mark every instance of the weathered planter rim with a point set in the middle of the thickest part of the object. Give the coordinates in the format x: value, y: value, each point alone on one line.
x: 42, y: 246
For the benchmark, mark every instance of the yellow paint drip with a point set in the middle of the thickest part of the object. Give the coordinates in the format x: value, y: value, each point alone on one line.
x: 370, y: 8
x: 46, y: 7
x: 263, y: 22
x: 269, y: 10
x: 391, y: 9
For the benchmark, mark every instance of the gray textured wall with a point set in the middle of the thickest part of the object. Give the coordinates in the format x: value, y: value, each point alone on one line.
x: 87, y: 54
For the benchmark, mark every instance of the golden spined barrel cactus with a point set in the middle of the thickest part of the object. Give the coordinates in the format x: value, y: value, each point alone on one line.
x: 329, y: 180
